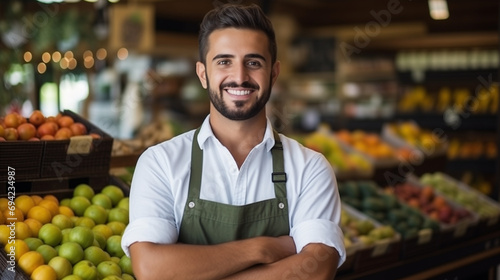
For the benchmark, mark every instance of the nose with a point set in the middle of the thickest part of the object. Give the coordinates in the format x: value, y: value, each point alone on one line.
x: 240, y: 73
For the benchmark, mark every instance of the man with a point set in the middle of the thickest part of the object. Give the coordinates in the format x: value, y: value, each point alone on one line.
x: 233, y: 199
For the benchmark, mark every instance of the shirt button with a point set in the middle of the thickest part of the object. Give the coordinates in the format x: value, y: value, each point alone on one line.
x: 281, y: 205
x: 191, y: 204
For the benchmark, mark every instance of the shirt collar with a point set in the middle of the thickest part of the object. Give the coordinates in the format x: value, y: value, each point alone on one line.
x: 206, y: 133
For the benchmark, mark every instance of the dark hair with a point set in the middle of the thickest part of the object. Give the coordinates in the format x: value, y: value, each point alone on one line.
x: 237, y: 16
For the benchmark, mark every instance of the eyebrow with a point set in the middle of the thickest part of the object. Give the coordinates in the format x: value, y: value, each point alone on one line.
x: 251, y: 55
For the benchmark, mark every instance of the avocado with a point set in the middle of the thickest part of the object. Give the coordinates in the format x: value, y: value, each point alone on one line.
x: 373, y: 203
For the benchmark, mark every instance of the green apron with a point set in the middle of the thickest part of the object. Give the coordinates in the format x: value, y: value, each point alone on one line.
x: 207, y: 222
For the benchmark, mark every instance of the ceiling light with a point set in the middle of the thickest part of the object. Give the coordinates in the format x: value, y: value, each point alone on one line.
x: 438, y: 9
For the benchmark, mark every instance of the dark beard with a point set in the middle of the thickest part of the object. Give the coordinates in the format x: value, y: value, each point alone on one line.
x: 239, y: 114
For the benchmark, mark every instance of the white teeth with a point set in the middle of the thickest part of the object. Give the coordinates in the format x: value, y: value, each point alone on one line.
x: 238, y: 92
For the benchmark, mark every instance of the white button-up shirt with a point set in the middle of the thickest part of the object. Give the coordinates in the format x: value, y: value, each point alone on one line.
x: 161, y: 181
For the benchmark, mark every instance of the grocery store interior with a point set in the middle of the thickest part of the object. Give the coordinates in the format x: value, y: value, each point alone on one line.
x: 399, y: 95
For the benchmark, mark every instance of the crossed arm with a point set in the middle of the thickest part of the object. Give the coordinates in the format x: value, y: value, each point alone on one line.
x: 254, y: 258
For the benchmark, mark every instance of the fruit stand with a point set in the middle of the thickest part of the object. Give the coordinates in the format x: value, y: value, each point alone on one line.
x: 62, y: 213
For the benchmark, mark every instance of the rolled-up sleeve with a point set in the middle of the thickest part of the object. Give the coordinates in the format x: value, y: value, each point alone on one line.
x: 315, y: 213
x: 319, y: 231
x: 148, y: 230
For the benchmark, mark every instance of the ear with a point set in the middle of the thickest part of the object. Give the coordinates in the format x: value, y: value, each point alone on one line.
x: 201, y: 72
x: 275, y: 72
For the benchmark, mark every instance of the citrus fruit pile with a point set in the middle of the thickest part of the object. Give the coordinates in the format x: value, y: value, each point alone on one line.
x: 37, y: 127
x: 78, y: 237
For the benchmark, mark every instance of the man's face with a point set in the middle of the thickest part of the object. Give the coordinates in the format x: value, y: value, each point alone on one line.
x: 238, y: 73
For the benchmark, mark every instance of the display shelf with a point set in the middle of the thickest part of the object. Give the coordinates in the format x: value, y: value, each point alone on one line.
x: 476, y: 122
x: 455, y: 77
x: 483, y: 165
x: 460, y: 261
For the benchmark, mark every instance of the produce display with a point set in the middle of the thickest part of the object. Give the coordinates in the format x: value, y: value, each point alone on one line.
x: 344, y: 162
x: 471, y: 149
x: 428, y: 202
x: 385, y: 208
x: 14, y: 127
x: 48, y: 238
x: 361, y: 230
x: 372, y: 145
x: 468, y: 198
x: 411, y: 134
x: 149, y: 135
x: 418, y: 99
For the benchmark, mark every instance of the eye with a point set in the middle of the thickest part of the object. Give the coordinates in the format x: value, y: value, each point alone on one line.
x: 223, y: 62
x: 254, y: 63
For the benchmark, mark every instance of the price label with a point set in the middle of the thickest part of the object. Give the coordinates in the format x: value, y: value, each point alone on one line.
x: 460, y: 229
x: 424, y: 236
x: 380, y: 247
x: 80, y: 145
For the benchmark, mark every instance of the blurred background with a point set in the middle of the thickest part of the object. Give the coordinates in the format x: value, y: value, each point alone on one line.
x: 348, y: 67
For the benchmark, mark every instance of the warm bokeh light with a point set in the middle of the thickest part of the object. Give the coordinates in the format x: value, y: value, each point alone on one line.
x: 72, y: 64
x: 41, y: 68
x: 68, y: 55
x: 122, y: 53
x: 64, y: 63
x: 28, y: 56
x: 101, y: 54
x: 56, y: 56
x: 88, y: 62
x: 46, y: 57
x: 87, y: 53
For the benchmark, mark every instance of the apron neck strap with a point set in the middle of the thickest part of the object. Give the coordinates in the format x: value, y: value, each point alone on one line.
x: 278, y: 176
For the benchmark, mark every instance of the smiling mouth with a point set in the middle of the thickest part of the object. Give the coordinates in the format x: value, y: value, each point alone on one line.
x: 239, y: 92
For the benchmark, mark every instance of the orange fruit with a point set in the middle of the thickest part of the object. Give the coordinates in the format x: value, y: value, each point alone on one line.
x: 78, y: 128
x: 40, y: 214
x: 10, y: 134
x: 2, y: 219
x: 61, y: 266
x: 26, y: 131
x: 63, y: 133
x: 65, y: 210
x: 51, y: 205
x: 24, y: 202
x: 15, y: 215
x: 65, y: 121
x: 48, y: 128
x: 36, y: 118
x: 105, y: 230
x: 34, y: 226
x: 22, y: 230
x: 18, y: 247
x: 4, y: 203
x: 44, y: 272
x: 36, y: 198
x: 29, y: 261
x: 4, y: 234
x: 11, y: 120
x: 51, y: 197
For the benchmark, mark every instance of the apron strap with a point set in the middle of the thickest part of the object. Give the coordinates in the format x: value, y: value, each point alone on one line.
x: 196, y: 167
x: 278, y: 176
